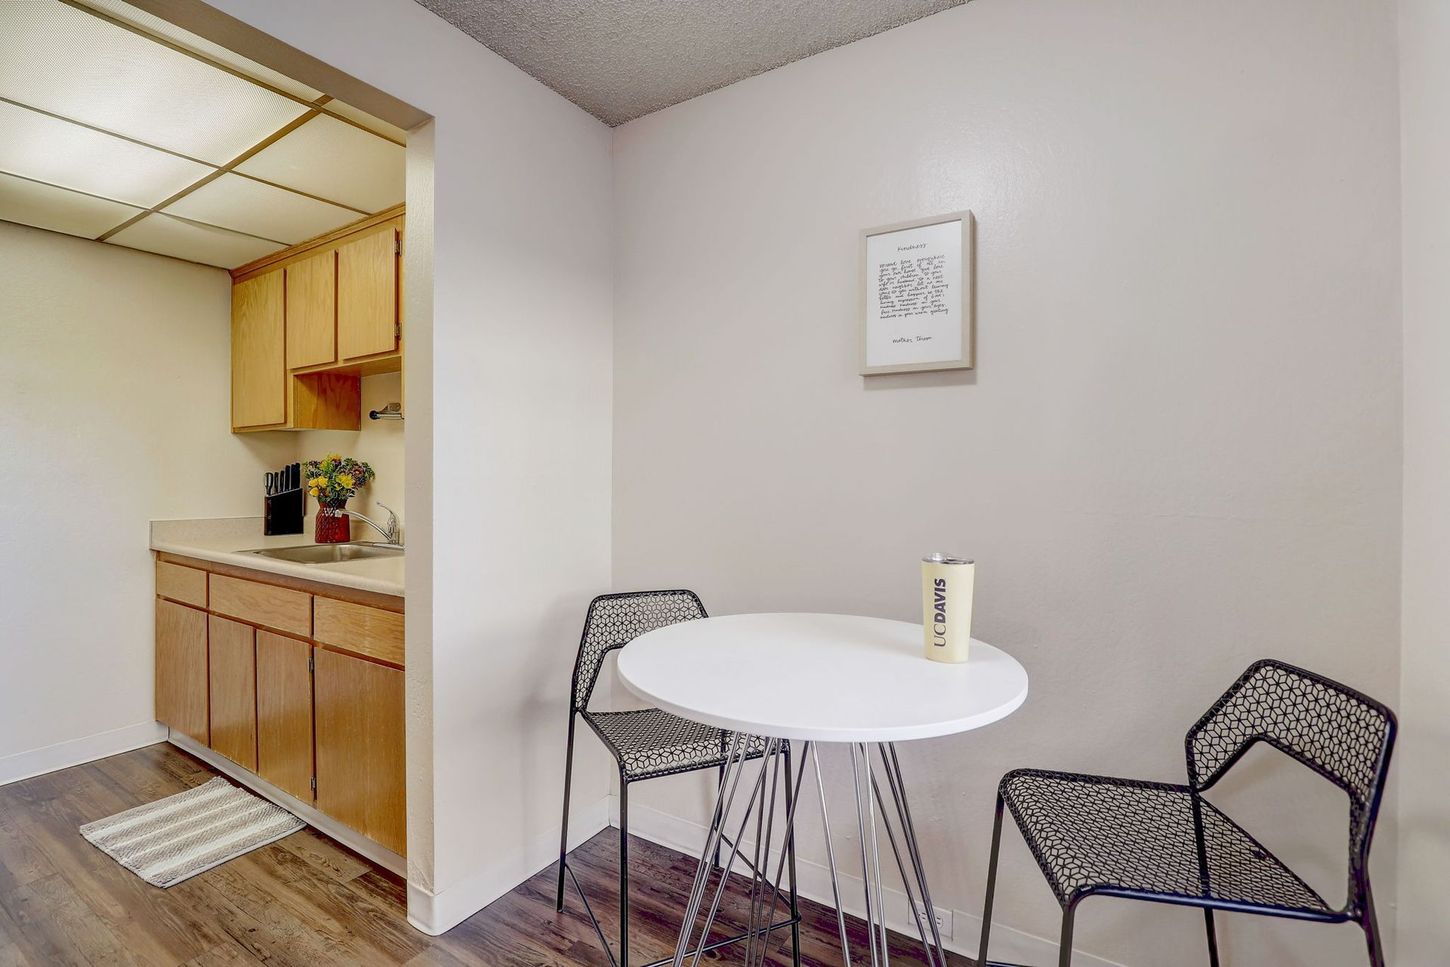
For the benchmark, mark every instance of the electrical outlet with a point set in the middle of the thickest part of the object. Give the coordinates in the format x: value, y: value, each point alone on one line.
x: 944, y: 920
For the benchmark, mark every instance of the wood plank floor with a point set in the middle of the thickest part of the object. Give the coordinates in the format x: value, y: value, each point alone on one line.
x: 307, y: 901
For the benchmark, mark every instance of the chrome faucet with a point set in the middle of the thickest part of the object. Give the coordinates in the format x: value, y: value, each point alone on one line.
x: 391, y: 533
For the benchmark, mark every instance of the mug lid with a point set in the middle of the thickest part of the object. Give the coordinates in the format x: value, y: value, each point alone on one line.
x: 939, y: 558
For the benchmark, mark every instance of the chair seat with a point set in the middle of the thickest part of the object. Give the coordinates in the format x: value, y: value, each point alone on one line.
x: 650, y: 742
x: 1098, y: 834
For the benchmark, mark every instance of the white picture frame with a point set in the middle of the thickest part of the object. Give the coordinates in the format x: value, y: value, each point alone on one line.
x: 917, y: 296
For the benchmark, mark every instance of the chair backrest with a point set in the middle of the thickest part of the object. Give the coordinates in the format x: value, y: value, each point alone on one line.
x: 614, y: 620
x: 1342, y: 734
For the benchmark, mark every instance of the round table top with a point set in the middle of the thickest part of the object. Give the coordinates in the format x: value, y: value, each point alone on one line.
x: 819, y: 678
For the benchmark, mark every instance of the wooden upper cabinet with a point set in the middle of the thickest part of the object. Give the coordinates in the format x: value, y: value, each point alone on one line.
x: 308, y: 323
x: 367, y: 295
x: 312, y: 311
x: 259, y: 366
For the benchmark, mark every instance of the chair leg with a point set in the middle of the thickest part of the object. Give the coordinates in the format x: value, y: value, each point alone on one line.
x: 1064, y: 951
x: 1212, y: 937
x: 623, y: 872
x: 1372, y: 932
x: 991, y: 882
x: 564, y: 830
x: 795, y: 911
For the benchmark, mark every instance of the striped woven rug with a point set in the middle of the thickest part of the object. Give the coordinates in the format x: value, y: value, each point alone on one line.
x: 173, y: 839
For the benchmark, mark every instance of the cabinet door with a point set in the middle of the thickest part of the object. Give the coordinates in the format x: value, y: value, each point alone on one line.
x: 360, y: 779
x: 181, y: 686
x: 312, y: 311
x: 234, y: 691
x: 367, y: 295
x: 259, y: 365
x: 284, y: 713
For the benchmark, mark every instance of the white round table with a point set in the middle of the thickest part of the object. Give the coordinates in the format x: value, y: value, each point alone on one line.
x: 812, y: 678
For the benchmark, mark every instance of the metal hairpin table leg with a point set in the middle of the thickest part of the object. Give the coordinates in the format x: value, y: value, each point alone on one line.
x: 761, y: 797
x: 873, y: 807
x: 878, y: 808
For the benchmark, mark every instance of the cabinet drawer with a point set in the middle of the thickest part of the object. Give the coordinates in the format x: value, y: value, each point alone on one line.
x: 360, y: 629
x: 184, y: 584
x: 262, y: 604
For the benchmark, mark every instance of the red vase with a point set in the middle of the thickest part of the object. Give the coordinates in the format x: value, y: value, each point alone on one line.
x: 333, y: 525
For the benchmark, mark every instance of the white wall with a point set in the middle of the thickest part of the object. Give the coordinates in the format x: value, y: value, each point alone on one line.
x: 1424, y: 783
x: 114, y: 409
x: 1180, y: 451
x: 509, y: 423
x: 379, y: 443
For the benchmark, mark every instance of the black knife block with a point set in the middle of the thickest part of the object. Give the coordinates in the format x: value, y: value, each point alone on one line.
x: 284, y: 513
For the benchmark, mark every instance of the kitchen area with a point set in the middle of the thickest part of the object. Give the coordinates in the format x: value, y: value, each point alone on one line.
x: 204, y: 291
x: 279, y: 638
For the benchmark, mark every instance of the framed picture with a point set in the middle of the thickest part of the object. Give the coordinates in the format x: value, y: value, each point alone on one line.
x: 916, y: 296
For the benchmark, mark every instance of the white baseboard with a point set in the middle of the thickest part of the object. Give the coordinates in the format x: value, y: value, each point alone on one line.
x: 63, y: 755
x: 1008, y: 944
x: 318, y: 820
x: 437, y: 913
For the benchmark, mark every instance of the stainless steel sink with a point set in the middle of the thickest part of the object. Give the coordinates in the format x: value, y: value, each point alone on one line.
x: 329, y: 553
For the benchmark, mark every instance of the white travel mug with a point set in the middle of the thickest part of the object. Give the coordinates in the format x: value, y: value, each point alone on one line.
x: 946, y: 606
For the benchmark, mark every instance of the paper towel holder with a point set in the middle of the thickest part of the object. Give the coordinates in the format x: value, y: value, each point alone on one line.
x: 393, y: 411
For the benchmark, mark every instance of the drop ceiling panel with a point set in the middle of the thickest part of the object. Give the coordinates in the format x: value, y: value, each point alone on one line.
x: 48, y: 149
x: 376, y: 125
x: 185, y: 38
x: 180, y: 239
x: 69, y: 212
x: 334, y: 160
x: 234, y: 202
x: 73, y: 64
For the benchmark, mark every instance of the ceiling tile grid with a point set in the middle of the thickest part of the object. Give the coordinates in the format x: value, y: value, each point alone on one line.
x: 193, y: 241
x: 70, y: 63
x: 255, y: 208
x: 334, y: 160
x: 40, y: 205
x: 123, y: 128
x: 70, y: 156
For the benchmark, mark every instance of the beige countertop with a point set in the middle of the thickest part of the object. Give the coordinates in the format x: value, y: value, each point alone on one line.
x: 224, y: 540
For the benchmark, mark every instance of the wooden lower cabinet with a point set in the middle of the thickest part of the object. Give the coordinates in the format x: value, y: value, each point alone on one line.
x: 234, y: 691
x: 284, y: 713
x: 181, y: 675
x: 318, y: 713
x: 359, y: 721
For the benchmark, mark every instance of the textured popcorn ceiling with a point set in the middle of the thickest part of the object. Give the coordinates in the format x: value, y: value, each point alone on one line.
x: 621, y: 59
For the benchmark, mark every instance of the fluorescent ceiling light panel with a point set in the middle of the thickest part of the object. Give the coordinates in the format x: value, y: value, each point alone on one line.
x: 48, y: 149
x: 165, y: 235
x: 334, y: 160
x: 59, y: 210
x: 185, y: 38
x: 232, y: 201
x: 73, y: 64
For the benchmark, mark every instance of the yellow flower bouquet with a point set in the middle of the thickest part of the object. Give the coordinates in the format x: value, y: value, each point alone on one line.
x: 335, y: 478
x: 331, y: 481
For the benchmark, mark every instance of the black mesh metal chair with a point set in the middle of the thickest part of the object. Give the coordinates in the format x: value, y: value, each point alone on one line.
x: 1099, y: 836
x: 648, y: 744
